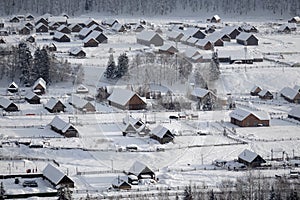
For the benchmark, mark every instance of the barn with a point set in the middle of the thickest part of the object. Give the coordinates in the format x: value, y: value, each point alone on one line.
x: 56, y: 177
x: 126, y: 100
x: 64, y: 128
x: 41, y: 28
x: 294, y: 113
x: 255, y: 90
x: 81, y: 104
x: 39, y: 87
x: 7, y: 105
x: 149, y: 38
x: 162, y: 134
x: 291, y: 95
x: 141, y: 171
x: 77, y: 52
x: 246, y: 118
x: 247, y: 39
x: 61, y: 37
x: 265, y: 94
x: 32, y: 98
x: 250, y: 159
x: 55, y: 106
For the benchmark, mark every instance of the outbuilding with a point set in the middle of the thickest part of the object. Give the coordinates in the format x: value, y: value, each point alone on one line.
x: 249, y: 118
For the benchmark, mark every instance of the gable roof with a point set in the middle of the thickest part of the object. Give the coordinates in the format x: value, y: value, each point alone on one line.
x: 245, y: 36
x: 78, y: 102
x: 138, y: 168
x: 75, y: 50
x: 52, y: 102
x: 289, y: 92
x: 254, y: 88
x: 4, y: 102
x: 59, y: 35
x: 82, y: 88
x: 160, y: 131
x: 263, y: 92
x: 13, y: 85
x: 199, y: 92
x: 121, y: 96
x: 53, y: 174
x: 295, y: 112
x: 147, y: 35
x: 39, y: 81
x: 241, y: 114
x: 248, y: 155
x: 60, y: 124
x: 30, y: 95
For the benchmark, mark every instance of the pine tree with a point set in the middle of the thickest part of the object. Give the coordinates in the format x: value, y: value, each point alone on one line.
x: 2, y: 191
x: 187, y: 195
x: 24, y: 63
x: 64, y: 193
x: 272, y: 194
x: 110, y: 72
x: 123, y: 64
x: 212, y: 195
x: 45, y: 65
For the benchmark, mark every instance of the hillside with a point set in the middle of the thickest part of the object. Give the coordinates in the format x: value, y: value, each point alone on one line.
x: 154, y: 7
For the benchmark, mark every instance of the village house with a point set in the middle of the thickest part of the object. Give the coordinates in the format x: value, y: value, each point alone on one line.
x: 265, y: 94
x: 255, y: 90
x: 81, y: 104
x: 41, y: 20
x: 202, y: 96
x: 29, y: 25
x: 61, y: 37
x: 204, y: 44
x: 13, y: 88
x: 215, y: 40
x: 63, y: 29
x: 55, y: 106
x: 287, y: 28
x: 32, y: 98
x: 90, y: 22
x: 56, y: 177
x: 118, y: 27
x: 294, y: 113
x: 126, y: 100
x: 29, y: 17
x: 168, y: 49
x: 53, y: 25
x: 77, y: 52
x: 51, y: 47
x: 250, y: 159
x: 215, y: 19
x: 41, y: 28
x: 246, y: 118
x: 121, y: 184
x: 247, y: 39
x: 90, y: 42
x: 141, y: 171
x: 110, y: 22
x: 30, y: 39
x: 134, y: 126
x: 249, y: 28
x: 174, y: 35
x: 84, y: 32
x: 232, y: 31
x: 99, y: 36
x: 58, y: 19
x: 7, y: 105
x: 295, y: 19
x: 191, y: 41
x: 194, y: 32
x: 291, y: 95
x: 96, y: 28
x: 15, y: 19
x: 64, y: 128
x: 75, y: 28
x: 82, y: 89
x: 39, y: 87
x: 162, y: 134
x: 149, y: 38
x: 24, y: 30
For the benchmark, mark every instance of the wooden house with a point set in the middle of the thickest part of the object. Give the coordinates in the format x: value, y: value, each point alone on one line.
x: 215, y: 19
x: 64, y: 29
x: 82, y: 89
x: 30, y: 39
x: 249, y: 28
x: 250, y: 159
x: 55, y: 106
x: 246, y: 118
x: 174, y: 35
x: 32, y: 98
x: 255, y: 90
x: 56, y: 177
x: 204, y: 44
x: 202, y: 95
x: 126, y: 100
x: 39, y: 87
x: 90, y: 42
x: 121, y: 184
x: 216, y: 40
x: 75, y: 28
x: 53, y: 25
x: 7, y: 105
x: 110, y: 22
x: 294, y: 113
x: 291, y: 95
x: 287, y: 28
x: 81, y: 104
x: 24, y: 30
x: 162, y: 134
x: 118, y: 27
x: 29, y: 25
x: 194, y: 32
x: 15, y: 19
x: 247, y: 39
x: 29, y: 17
x: 41, y: 20
x: 64, y: 128
x: 84, y: 32
x: 77, y: 52
x: 58, y: 19
x: 51, y: 47
x: 41, y: 28
x: 141, y: 171
x: 138, y: 28
x: 232, y: 31
x: 134, y: 126
x: 90, y: 22
x: 295, y: 19
x: 96, y: 28
x: 13, y: 88
x: 265, y: 94
x: 99, y: 36
x: 61, y: 37
x: 149, y: 38
x: 168, y: 49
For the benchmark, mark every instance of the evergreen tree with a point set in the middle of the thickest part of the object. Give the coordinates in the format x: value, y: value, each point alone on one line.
x: 24, y: 63
x: 2, y: 191
x: 45, y: 65
x: 111, y: 69
x: 187, y: 195
x: 212, y: 195
x: 123, y: 64
x: 199, y: 80
x: 272, y: 194
x: 64, y: 193
x: 36, y: 64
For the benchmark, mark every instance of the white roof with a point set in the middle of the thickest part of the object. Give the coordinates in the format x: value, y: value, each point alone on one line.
x: 240, y: 114
x: 77, y: 101
x: 13, y: 85
x: 159, y: 131
x: 289, y: 92
x: 94, y: 34
x: 87, y: 39
x: 61, y: 27
x: 57, y: 19
x: 84, y: 31
x: 167, y: 47
x: 137, y: 168
x: 174, y: 34
x: 41, y: 82
x: 117, y: 27
x: 244, y: 36
x: 82, y: 88
x: 254, y: 88
x: 121, y: 96
x: 216, y: 17
x: 202, y: 42
x: 263, y: 92
x: 156, y: 87
x: 75, y: 50
x: 199, y: 92
x: 295, y: 112
x: 51, y: 103
x: 147, y: 35
x: 5, y: 102
x: 192, y: 31
x: 229, y: 29
x: 248, y: 155
x: 53, y: 174
x: 190, y: 52
x: 59, y: 35
x: 60, y: 124
x: 90, y: 20
x: 30, y: 95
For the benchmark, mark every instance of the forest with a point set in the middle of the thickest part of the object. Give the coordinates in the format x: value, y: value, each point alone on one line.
x: 152, y: 7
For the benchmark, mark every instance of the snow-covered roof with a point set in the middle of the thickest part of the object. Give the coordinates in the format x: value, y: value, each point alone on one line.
x: 295, y: 112
x: 40, y: 25
x: 61, y: 27
x: 84, y: 31
x: 174, y: 34
x: 159, y: 131
x: 289, y: 92
x: 71, y: 26
x: 60, y: 124
x: 192, y: 40
x: 57, y: 19
x: 217, y: 17
x: 229, y: 29
x: 117, y: 182
x: 263, y: 92
x: 59, y: 35
x: 192, y: 31
x: 110, y: 21
x: 202, y: 42
x: 30, y: 95
x: 88, y: 39
x: 77, y: 101
x: 138, y: 167
x: 236, y: 54
x: 254, y: 88
x: 244, y: 36
x: 94, y: 34
x: 53, y: 174
x: 190, y: 52
x: 51, y: 103
x: 39, y: 81
x: 156, y: 87
x: 117, y: 27
x: 248, y: 155
x: 13, y: 85
x: 75, y: 50
x: 121, y: 96
x: 82, y: 88
x: 168, y: 47
x: 90, y: 20
x: 214, y: 37
x: 240, y: 114
x: 5, y: 102
x: 147, y: 35
x: 199, y: 92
